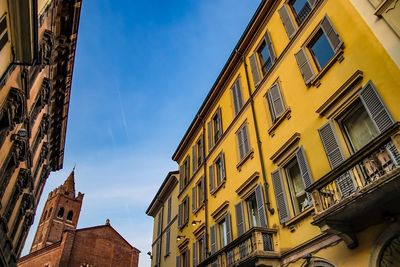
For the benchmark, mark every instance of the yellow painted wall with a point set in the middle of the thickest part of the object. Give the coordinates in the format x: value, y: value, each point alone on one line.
x: 362, y: 51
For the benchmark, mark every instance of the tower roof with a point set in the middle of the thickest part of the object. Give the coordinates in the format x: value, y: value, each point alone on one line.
x: 69, y: 184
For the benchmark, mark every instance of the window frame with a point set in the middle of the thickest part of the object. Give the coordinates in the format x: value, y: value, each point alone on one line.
x: 316, y: 35
x: 271, y: 108
x: 217, y: 127
x: 222, y: 224
x: 294, y: 13
x: 252, y: 197
x: 183, y: 213
x: 289, y: 180
x: 219, y: 170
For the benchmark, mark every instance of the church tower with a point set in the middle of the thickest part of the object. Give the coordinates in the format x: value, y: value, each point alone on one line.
x: 60, y: 212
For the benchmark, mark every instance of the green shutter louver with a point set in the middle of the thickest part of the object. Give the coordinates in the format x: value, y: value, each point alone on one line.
x: 260, y: 206
x: 305, y: 66
x: 255, y: 69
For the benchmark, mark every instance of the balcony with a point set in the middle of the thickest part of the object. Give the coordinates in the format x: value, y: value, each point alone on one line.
x: 362, y: 191
x: 253, y: 248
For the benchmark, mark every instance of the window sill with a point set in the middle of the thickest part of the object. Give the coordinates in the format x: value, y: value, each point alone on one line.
x: 198, y: 208
x: 302, y: 215
x: 337, y: 57
x: 214, y: 192
x: 285, y: 115
x: 250, y: 155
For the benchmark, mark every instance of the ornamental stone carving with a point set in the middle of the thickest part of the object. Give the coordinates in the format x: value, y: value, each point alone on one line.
x: 46, y: 47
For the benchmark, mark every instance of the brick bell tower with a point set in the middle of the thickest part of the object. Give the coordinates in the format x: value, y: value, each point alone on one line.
x: 60, y: 212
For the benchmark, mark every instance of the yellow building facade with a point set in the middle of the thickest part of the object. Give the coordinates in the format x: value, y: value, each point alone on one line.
x: 293, y: 157
x: 164, y: 209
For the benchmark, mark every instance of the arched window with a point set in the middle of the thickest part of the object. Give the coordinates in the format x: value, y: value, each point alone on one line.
x: 70, y: 215
x: 60, y: 213
x: 50, y: 211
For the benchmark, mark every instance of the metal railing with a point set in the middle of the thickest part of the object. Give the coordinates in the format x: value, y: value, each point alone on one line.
x: 303, y: 14
x: 369, y: 166
x: 254, y: 240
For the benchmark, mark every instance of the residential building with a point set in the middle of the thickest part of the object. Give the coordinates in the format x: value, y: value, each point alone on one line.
x: 37, y: 49
x: 293, y: 157
x: 164, y: 209
x: 383, y: 18
x: 58, y: 242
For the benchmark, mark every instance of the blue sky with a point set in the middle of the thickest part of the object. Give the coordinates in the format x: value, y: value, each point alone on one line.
x: 142, y: 70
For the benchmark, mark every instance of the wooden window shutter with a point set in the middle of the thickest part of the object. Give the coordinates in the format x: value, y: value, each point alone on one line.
x: 194, y: 158
x: 255, y: 69
x: 158, y: 252
x: 180, y: 211
x: 375, y: 107
x: 204, y: 247
x: 181, y: 175
x: 200, y: 153
x: 312, y: 2
x: 194, y: 199
x: 304, y: 169
x: 246, y: 142
x: 187, y: 171
x: 223, y: 166
x: 178, y: 261
x: 270, y: 46
x: 228, y: 228
x: 213, y: 239
x: 378, y: 113
x: 237, y: 96
x: 194, y: 253
x: 240, y: 143
x: 219, y: 114
x: 202, y: 190
x: 287, y: 21
x: 260, y: 206
x: 187, y: 263
x: 331, y: 34
x: 210, y: 135
x: 275, y: 100
x: 186, y: 210
x: 239, y: 218
x: 335, y: 157
x: 168, y: 242
x: 211, y: 174
x: 280, y: 196
x: 305, y: 66
x: 169, y: 209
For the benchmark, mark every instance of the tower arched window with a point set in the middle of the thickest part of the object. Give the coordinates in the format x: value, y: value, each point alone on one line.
x: 60, y: 213
x: 70, y: 215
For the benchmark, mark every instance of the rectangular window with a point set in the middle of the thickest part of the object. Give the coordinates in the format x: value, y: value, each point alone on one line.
x: 254, y: 218
x: 199, y: 150
x: 169, y: 210
x: 321, y: 49
x: 222, y: 233
x: 200, y: 191
x: 159, y: 220
x: 296, y: 186
x: 243, y: 141
x: 214, y: 129
x: 217, y: 127
x: 201, y: 249
x: 183, y: 212
x: 184, y: 173
x: 301, y: 9
x: 237, y: 96
x: 184, y: 258
x: 3, y: 32
x: 265, y: 58
x: 219, y: 170
x: 359, y: 127
x: 275, y: 102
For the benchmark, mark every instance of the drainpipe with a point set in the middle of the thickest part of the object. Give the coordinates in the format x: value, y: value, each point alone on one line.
x: 205, y: 183
x: 263, y: 169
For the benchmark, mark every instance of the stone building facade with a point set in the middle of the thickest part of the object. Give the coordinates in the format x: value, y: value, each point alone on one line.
x: 37, y: 50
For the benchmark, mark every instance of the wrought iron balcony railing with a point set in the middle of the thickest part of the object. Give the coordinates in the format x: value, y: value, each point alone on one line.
x: 255, y: 242
x: 363, y: 171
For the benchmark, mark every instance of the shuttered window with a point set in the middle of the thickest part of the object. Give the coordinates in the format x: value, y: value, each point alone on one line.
x: 168, y: 242
x: 263, y: 59
x: 335, y: 157
x: 239, y: 219
x: 159, y: 220
x: 237, y: 96
x: 220, y: 169
x: 184, y: 173
x: 260, y: 206
x: 183, y: 212
x: 305, y: 67
x: 280, y: 196
x: 243, y: 141
x: 214, y: 128
x: 169, y: 211
x: 213, y: 239
x: 275, y: 102
x: 194, y: 253
x: 288, y: 23
x: 194, y: 199
x: 3, y: 32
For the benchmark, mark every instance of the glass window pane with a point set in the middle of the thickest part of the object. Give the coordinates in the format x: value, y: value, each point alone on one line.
x: 223, y: 233
x: 321, y: 49
x: 359, y: 127
x: 296, y: 186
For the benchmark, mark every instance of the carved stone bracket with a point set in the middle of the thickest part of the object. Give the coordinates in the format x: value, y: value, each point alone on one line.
x: 46, y: 47
x: 12, y: 112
